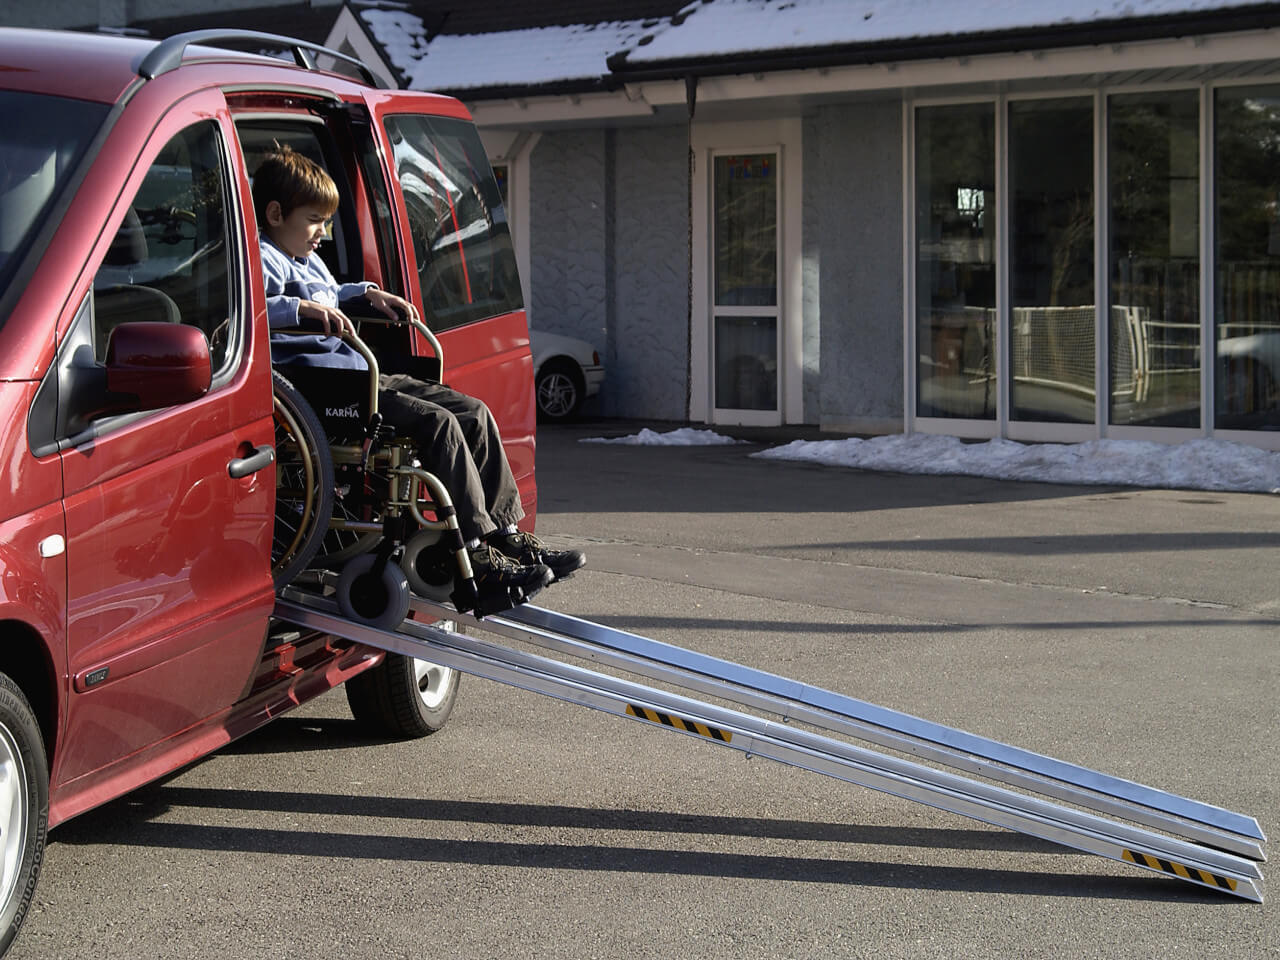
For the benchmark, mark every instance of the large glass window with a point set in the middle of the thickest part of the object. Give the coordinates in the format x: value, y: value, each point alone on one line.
x: 466, y: 266
x: 1247, y: 307
x: 1051, y: 337
x: 1153, y: 164
x: 955, y: 261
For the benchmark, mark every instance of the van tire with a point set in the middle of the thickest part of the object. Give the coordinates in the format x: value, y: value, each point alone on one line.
x: 24, y: 827
x: 403, y: 698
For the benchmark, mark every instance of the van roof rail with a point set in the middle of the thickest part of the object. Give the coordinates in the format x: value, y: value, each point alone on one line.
x: 168, y: 53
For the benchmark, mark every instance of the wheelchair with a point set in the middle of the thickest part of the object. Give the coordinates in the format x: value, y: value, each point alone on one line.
x: 352, y: 498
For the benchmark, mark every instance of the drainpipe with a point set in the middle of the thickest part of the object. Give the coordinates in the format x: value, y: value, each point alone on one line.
x: 691, y: 102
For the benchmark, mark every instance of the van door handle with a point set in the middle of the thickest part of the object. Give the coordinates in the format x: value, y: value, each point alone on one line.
x: 261, y: 457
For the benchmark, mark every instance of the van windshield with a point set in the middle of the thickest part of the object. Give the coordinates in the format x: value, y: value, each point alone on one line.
x: 42, y: 139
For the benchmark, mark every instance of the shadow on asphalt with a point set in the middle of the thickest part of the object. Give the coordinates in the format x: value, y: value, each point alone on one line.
x: 129, y: 823
x: 1062, y: 544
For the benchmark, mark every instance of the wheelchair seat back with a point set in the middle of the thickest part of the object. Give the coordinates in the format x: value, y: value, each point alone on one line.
x: 340, y: 399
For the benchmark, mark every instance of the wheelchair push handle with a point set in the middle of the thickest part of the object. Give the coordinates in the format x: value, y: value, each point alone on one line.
x: 401, y: 320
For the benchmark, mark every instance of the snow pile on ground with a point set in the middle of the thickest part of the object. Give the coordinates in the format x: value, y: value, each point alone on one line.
x: 1202, y: 464
x: 683, y: 437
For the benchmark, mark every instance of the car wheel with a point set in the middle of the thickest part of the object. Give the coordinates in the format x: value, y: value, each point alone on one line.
x: 560, y: 389
x: 403, y: 697
x: 24, y: 808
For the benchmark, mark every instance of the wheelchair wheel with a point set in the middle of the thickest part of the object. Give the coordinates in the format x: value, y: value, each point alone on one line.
x: 304, y: 483
x: 429, y: 565
x: 380, y: 600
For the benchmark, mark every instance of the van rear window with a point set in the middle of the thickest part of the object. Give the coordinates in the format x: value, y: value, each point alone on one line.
x: 466, y: 267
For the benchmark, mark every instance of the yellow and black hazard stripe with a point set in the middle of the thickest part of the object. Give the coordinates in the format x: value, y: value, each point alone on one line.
x: 1193, y: 874
x: 678, y: 723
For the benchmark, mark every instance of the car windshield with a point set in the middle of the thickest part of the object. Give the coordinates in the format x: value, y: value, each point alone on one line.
x: 41, y: 141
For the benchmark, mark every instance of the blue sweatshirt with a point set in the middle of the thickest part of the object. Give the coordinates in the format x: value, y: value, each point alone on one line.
x: 289, y: 280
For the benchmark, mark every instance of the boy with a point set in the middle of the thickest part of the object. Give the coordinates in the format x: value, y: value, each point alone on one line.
x: 456, y: 436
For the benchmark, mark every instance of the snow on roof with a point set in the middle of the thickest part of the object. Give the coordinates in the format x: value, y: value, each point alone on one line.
x: 533, y: 57
x: 721, y: 28
x: 713, y: 28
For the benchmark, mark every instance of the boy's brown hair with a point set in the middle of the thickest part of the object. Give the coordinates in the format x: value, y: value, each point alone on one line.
x: 293, y: 181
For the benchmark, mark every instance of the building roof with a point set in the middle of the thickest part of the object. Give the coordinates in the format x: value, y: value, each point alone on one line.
x: 491, y: 48
x: 720, y: 28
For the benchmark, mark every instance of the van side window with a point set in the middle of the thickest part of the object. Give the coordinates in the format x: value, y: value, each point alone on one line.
x: 466, y: 266
x: 169, y: 261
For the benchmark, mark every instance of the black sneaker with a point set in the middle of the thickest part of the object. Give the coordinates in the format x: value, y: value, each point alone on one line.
x: 495, y: 573
x: 526, y: 548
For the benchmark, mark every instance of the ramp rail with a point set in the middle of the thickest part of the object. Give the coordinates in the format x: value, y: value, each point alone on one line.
x: 1024, y: 791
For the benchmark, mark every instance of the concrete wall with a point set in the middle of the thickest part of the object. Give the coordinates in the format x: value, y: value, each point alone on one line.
x: 567, y: 234
x: 853, y: 263
x: 649, y: 344
x: 609, y: 261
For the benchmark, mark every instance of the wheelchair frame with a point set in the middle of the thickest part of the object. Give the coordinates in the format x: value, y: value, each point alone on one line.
x: 383, y: 547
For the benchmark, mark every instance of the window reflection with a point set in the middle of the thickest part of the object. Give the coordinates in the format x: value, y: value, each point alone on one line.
x: 955, y: 263
x: 466, y: 267
x: 1051, y: 337
x: 746, y: 363
x: 746, y: 230
x: 1154, y: 330
x: 1247, y: 309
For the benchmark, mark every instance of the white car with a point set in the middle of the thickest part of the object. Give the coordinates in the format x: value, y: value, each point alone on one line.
x: 565, y: 372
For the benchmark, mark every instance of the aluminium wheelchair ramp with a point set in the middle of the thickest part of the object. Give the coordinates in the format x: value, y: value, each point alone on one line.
x: 810, y: 728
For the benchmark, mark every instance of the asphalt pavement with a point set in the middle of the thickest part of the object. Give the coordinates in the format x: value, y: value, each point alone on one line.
x: 1133, y: 631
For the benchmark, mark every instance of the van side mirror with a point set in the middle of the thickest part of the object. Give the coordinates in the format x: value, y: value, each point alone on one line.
x: 152, y: 365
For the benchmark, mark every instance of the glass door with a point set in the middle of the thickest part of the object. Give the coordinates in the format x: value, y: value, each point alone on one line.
x: 745, y: 312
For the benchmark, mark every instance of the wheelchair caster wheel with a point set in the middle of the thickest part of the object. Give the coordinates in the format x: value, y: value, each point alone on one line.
x: 429, y: 565
x: 380, y: 600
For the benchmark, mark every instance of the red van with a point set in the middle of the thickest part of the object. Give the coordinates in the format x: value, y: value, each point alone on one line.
x: 136, y: 523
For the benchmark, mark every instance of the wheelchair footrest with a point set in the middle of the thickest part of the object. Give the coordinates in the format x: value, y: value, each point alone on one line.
x: 495, y: 601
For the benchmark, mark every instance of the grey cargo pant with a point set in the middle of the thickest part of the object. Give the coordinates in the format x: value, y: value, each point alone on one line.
x: 458, y: 441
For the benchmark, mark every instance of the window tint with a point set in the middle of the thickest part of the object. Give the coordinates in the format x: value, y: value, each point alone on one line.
x: 465, y: 264
x: 169, y: 260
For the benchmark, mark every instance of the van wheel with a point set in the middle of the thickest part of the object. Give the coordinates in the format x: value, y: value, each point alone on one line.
x: 24, y: 808
x: 402, y: 697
